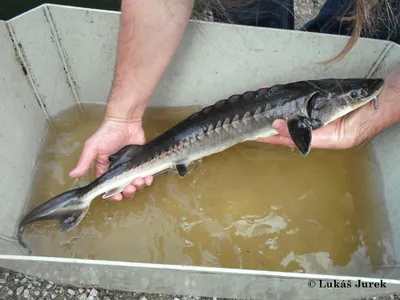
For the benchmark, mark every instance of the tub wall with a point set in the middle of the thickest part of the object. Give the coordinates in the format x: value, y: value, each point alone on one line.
x: 207, y: 65
x: 195, y: 281
x: 22, y: 123
x: 386, y: 149
x: 68, y: 57
x: 49, y: 41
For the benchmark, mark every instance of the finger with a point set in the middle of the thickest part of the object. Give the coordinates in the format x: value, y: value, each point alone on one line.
x: 327, y: 138
x: 138, y: 183
x: 148, y: 180
x: 278, y: 140
x: 87, y: 157
x: 128, y: 191
x: 116, y: 197
x: 331, y: 137
x: 281, y: 126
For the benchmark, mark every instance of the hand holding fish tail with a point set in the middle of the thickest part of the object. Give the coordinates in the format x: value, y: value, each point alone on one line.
x: 109, y: 138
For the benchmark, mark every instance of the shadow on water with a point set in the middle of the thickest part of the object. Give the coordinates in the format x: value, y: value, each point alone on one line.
x: 12, y: 8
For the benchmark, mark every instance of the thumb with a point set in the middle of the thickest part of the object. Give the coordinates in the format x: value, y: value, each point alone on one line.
x: 88, y: 155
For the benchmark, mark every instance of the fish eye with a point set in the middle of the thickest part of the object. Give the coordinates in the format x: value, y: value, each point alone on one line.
x: 353, y: 94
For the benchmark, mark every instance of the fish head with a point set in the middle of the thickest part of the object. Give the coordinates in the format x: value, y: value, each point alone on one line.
x: 328, y: 100
x: 334, y: 98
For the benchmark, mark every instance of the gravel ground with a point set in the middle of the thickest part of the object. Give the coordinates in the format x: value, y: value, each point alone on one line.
x: 305, y: 10
x: 17, y: 286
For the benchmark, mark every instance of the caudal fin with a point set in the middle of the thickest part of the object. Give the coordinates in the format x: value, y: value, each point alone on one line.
x: 67, y: 207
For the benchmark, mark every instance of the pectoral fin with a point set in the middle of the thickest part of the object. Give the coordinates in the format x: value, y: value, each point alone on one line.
x: 113, y: 192
x: 182, y: 170
x: 73, y: 219
x: 300, y: 131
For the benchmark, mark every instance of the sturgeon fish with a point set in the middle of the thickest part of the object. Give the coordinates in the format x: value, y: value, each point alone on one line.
x: 306, y: 105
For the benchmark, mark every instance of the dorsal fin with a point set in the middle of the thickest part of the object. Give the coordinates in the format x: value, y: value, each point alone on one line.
x: 123, y: 155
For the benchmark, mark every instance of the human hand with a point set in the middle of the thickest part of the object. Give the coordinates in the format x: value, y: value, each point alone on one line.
x: 354, y: 128
x: 109, y: 138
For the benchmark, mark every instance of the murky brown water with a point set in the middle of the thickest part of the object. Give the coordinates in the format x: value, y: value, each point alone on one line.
x: 253, y: 206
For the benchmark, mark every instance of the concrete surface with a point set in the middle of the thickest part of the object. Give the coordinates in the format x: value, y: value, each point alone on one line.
x: 17, y: 286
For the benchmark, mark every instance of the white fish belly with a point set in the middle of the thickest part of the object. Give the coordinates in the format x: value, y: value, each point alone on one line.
x: 216, y: 141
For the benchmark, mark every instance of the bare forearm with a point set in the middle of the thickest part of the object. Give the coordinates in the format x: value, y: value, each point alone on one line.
x: 390, y: 107
x: 150, y: 33
x: 373, y: 121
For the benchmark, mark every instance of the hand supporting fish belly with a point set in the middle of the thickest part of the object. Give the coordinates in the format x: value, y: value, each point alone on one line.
x: 306, y: 105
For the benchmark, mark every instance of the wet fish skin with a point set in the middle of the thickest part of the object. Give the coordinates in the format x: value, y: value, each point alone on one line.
x: 66, y: 207
x: 307, y: 105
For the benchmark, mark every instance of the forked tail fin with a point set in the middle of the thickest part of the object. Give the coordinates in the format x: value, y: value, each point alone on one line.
x: 67, y: 207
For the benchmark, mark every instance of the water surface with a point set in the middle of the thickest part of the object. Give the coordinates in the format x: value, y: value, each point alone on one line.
x: 253, y: 206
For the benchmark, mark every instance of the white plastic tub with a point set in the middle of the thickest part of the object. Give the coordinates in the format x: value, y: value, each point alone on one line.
x: 54, y: 57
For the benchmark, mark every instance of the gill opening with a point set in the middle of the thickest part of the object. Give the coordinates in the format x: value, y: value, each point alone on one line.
x: 311, y: 103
